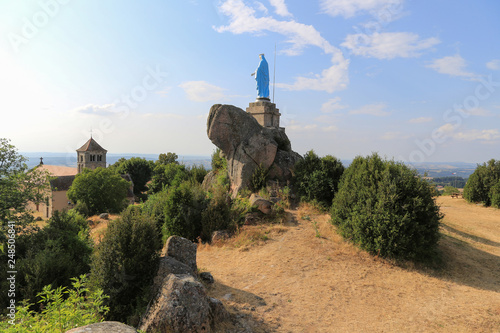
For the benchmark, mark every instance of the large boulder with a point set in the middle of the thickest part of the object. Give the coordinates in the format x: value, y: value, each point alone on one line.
x: 247, y: 145
x: 104, y: 327
x: 181, y: 249
x: 182, y: 305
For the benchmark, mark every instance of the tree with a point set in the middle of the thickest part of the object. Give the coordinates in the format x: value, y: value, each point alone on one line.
x: 183, y: 211
x: 139, y: 169
x: 387, y: 209
x: 318, y: 178
x: 52, y: 255
x: 18, y: 187
x: 126, y: 261
x: 481, y: 182
x: 167, y: 158
x: 97, y: 191
x: 167, y: 175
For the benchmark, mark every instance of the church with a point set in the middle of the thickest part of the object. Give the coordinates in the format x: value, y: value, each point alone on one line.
x: 91, y: 156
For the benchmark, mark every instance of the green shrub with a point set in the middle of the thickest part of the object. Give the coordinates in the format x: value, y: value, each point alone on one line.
x: 166, y: 176
x: 100, y: 190
x: 317, y: 178
x: 217, y: 215
x: 219, y: 162
x: 197, y: 173
x: 63, y: 310
x: 154, y: 207
x: 480, y: 184
x: 125, y: 263
x: 495, y: 195
x: 52, y: 255
x: 386, y: 209
x: 449, y: 190
x: 139, y: 169
x: 259, y: 178
x: 182, y: 211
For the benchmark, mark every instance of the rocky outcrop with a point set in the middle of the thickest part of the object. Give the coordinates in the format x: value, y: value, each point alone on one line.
x: 265, y: 206
x: 247, y: 145
x: 104, y: 327
x: 180, y: 302
x: 182, y: 250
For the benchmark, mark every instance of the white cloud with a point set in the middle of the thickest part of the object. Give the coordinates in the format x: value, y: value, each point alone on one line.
x: 481, y: 135
x: 331, y: 128
x: 243, y: 19
x: 332, y: 105
x: 485, y: 135
x: 452, y: 65
x: 280, y: 7
x: 97, y: 110
x: 493, y: 64
x: 389, y: 136
x: 331, y: 79
x: 260, y: 6
x: 164, y: 92
x: 162, y: 116
x: 298, y: 127
x: 202, y: 91
x: 479, y: 112
x: 377, y: 109
x: 388, y: 45
x: 350, y: 8
x: 420, y: 120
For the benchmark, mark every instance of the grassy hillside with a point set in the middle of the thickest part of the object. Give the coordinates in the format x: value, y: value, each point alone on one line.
x: 300, y: 276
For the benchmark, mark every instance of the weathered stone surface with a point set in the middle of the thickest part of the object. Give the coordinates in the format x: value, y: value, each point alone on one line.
x: 104, y: 327
x: 265, y: 206
x: 218, y: 312
x: 182, y: 250
x: 207, y: 277
x: 247, y: 145
x: 209, y: 180
x: 182, y: 305
x: 104, y: 216
x: 169, y: 265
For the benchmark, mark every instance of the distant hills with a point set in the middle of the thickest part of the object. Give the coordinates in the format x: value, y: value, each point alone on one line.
x: 431, y: 169
x: 69, y: 159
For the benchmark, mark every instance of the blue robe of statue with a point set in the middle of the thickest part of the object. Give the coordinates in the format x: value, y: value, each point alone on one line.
x: 262, y: 78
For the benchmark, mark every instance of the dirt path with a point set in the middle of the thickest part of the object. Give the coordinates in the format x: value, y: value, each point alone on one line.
x: 301, y: 277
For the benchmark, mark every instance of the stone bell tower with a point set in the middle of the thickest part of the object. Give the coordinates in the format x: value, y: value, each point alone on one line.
x: 91, y: 155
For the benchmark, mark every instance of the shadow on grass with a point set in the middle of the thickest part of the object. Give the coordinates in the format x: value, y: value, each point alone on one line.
x: 460, y: 262
x: 243, y: 307
x: 469, y: 236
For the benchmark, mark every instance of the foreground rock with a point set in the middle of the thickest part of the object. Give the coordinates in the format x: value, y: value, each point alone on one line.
x: 180, y: 302
x: 104, y: 327
x: 247, y: 145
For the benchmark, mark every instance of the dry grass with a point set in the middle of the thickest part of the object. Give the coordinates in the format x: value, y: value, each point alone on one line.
x: 98, y: 226
x: 305, y: 278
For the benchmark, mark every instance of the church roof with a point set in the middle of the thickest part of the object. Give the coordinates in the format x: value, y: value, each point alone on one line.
x: 58, y: 170
x: 62, y: 183
x: 91, y: 145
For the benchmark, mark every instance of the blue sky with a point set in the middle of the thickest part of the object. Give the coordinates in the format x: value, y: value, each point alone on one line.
x: 415, y: 80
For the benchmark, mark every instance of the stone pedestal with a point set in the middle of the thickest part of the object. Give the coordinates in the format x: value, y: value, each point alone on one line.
x: 266, y: 113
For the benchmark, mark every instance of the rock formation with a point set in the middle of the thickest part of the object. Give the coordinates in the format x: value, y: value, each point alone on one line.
x: 180, y: 302
x: 104, y: 327
x: 247, y: 145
